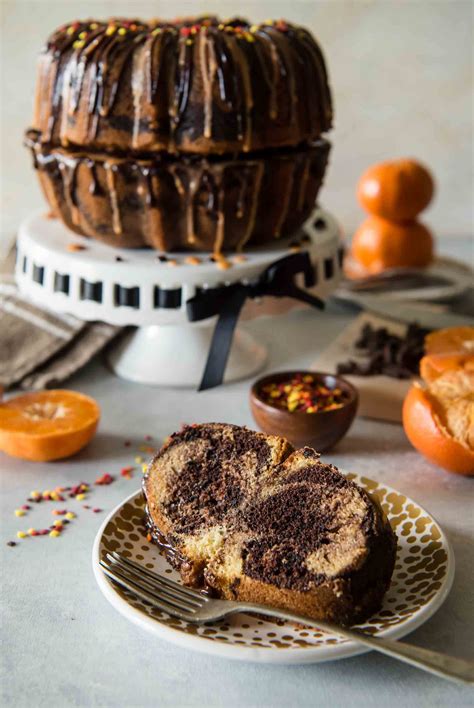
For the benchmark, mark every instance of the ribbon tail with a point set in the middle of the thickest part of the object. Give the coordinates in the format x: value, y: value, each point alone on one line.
x: 297, y: 294
x: 222, y: 340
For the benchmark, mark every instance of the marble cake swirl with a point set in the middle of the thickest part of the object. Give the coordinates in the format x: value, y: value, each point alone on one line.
x: 244, y: 515
x: 193, y: 134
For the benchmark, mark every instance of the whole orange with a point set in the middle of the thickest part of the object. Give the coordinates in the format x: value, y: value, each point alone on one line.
x: 379, y: 244
x: 397, y: 190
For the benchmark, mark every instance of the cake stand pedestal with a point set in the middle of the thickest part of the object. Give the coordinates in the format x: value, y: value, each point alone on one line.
x: 68, y: 273
x: 178, y: 355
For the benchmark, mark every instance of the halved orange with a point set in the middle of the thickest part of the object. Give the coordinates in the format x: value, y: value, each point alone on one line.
x: 47, y: 425
x: 439, y: 420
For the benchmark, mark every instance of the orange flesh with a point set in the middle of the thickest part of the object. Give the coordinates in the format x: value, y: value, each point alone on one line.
x: 47, y: 425
x: 433, y: 365
x: 439, y: 420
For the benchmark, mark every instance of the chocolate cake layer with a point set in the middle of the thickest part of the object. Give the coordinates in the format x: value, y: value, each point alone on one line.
x: 244, y: 515
x: 197, y: 85
x: 189, y: 203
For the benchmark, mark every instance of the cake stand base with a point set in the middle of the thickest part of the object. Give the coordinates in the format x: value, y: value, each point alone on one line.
x: 144, y: 355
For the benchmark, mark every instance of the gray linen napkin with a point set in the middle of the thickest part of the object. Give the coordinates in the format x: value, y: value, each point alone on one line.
x: 40, y: 348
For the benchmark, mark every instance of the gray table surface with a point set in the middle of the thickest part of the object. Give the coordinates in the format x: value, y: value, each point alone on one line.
x: 64, y: 645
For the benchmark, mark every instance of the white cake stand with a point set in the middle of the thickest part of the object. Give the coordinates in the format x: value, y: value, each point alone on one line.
x: 134, y: 287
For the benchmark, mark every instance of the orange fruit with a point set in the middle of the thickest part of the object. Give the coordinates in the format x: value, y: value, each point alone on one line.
x: 439, y: 420
x: 451, y: 339
x: 397, y: 190
x: 379, y: 244
x: 433, y: 365
x: 47, y: 425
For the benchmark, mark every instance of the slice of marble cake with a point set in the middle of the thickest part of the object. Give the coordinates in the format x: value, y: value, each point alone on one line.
x: 246, y: 516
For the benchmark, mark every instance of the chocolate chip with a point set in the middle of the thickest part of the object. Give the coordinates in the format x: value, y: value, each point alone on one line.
x: 386, y: 353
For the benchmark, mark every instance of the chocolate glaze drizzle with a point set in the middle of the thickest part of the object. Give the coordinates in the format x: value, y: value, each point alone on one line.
x: 182, y: 78
x: 206, y: 200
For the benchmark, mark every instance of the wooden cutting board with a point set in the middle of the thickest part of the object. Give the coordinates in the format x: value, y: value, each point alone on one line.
x: 381, y: 397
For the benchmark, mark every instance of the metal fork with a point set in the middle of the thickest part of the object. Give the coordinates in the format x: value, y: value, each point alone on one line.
x: 193, y: 606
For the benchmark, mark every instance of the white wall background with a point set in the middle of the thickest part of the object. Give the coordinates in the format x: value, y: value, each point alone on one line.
x: 401, y: 73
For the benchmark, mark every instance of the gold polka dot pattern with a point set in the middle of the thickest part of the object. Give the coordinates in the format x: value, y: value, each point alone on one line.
x: 420, y: 572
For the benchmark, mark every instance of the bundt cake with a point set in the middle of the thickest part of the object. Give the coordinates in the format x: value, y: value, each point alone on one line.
x: 244, y: 515
x: 194, y: 85
x: 171, y: 204
x: 194, y: 134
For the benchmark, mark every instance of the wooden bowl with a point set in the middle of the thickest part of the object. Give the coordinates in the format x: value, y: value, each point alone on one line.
x: 320, y: 430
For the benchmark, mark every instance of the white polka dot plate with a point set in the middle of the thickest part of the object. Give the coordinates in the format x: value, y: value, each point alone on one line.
x: 422, y: 579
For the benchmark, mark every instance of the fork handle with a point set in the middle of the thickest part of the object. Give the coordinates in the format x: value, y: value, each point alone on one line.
x: 448, y: 667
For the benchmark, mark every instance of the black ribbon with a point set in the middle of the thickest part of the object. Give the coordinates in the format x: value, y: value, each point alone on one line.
x: 227, y: 301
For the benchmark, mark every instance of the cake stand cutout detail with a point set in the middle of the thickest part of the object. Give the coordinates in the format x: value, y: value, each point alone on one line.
x: 71, y: 274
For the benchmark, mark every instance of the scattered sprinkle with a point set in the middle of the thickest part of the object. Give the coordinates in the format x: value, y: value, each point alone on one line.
x: 70, y: 515
x: 11, y: 543
x: 54, y: 533
x: 80, y: 488
x: 104, y: 479
x: 75, y: 247
x: 97, y: 510
x: 139, y: 460
x: 21, y: 534
x: 58, y: 524
x: 127, y: 472
x: 80, y: 497
x: 19, y: 512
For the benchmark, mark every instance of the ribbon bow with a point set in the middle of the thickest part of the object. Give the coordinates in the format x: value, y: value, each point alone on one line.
x: 227, y: 302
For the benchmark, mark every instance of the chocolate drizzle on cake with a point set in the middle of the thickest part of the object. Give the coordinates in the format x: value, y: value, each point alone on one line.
x: 191, y: 203
x: 255, y: 521
x: 195, y: 134
x: 183, y: 79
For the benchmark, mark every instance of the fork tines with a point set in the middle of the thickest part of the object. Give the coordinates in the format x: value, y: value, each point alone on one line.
x: 165, y: 594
